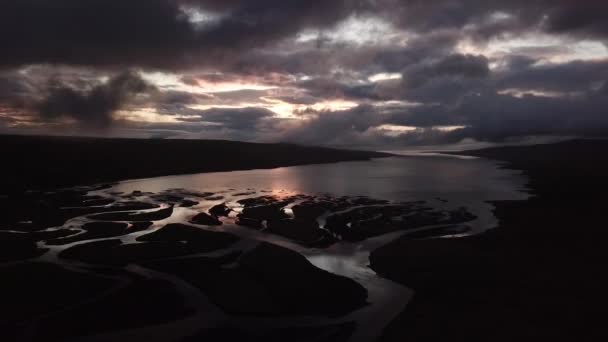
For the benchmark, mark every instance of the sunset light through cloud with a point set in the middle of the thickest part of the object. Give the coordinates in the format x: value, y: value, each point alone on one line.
x: 279, y: 72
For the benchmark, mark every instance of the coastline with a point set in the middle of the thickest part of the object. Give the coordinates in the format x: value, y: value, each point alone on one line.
x: 45, y: 163
x: 538, y: 275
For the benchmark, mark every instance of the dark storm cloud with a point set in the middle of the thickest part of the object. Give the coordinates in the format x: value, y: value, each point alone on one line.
x: 160, y: 34
x: 461, y: 65
x: 92, y: 32
x: 185, y: 100
x: 433, y: 44
x: 172, y: 97
x: 331, y: 88
x: 479, y: 17
x: 245, y: 124
x: 233, y: 118
x: 93, y: 107
x: 14, y: 90
x: 298, y: 99
x: 345, y: 58
x: 335, y: 128
x: 425, y: 116
x: 499, y: 117
x: 565, y: 77
x: 495, y: 117
x: 443, y: 78
x: 585, y: 18
x: 150, y: 33
x: 477, y: 106
x: 174, y: 102
x: 573, y: 105
x: 55, y: 52
x: 255, y: 23
x: 452, y: 66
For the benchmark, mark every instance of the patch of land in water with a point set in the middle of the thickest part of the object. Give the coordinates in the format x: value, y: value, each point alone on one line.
x: 539, y: 276
x: 144, y: 244
x: 42, y: 162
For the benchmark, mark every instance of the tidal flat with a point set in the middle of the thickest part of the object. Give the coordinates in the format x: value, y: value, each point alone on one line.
x: 267, y: 253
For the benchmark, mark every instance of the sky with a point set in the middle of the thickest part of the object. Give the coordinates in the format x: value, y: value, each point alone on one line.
x: 376, y: 74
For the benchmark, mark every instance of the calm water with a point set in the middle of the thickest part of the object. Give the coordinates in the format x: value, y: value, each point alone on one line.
x: 444, y: 182
x: 397, y: 178
x: 447, y: 181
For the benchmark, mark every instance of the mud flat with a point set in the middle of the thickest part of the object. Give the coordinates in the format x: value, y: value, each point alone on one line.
x: 246, y: 260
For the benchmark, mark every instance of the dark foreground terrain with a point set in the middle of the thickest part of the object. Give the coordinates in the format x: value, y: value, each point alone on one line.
x: 199, y: 266
x: 31, y: 162
x: 183, y: 265
x: 541, y: 276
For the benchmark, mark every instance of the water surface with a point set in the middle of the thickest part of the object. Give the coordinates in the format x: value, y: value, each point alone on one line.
x: 444, y: 180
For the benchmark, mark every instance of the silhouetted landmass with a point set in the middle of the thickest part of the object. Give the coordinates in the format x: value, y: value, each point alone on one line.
x: 539, y: 276
x: 560, y: 169
x: 47, y: 162
x: 333, y: 333
x: 36, y: 288
x: 270, y: 281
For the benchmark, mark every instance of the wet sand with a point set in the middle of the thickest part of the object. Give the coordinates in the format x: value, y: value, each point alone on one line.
x: 539, y: 276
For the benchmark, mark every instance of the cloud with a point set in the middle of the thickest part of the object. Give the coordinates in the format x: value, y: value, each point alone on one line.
x: 491, y: 70
x: 490, y: 18
x: 454, y: 66
x: 583, y: 19
x: 334, y: 128
x: 573, y: 76
x: 182, y: 34
x: 151, y: 33
x: 93, y: 107
x: 237, y: 119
